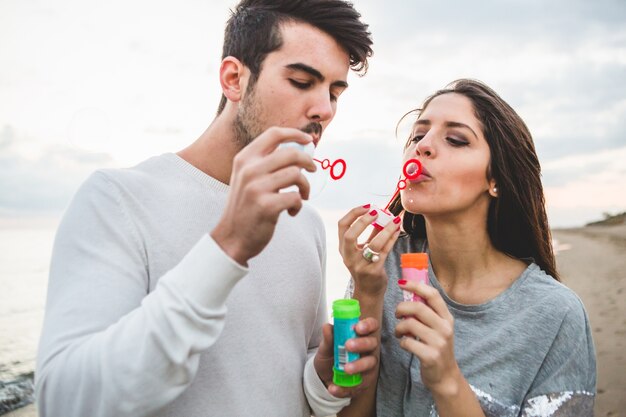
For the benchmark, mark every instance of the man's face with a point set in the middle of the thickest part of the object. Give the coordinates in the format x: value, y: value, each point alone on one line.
x: 298, y: 85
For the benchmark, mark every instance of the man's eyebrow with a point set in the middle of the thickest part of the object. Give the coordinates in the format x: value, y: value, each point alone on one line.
x: 426, y: 122
x: 315, y: 73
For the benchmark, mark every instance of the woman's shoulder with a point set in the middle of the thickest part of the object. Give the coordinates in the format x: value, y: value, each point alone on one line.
x: 549, y: 297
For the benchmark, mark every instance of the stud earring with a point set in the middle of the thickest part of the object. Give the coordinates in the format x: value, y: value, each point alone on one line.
x: 495, y: 189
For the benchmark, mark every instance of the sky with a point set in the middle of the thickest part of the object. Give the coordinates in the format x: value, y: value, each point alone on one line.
x: 89, y: 84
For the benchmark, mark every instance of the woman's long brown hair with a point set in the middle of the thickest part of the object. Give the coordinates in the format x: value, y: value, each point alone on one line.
x: 517, y: 222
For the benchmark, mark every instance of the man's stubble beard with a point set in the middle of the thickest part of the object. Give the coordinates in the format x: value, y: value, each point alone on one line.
x: 248, y: 126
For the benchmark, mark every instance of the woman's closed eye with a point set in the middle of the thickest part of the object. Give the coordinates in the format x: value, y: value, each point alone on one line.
x: 456, y: 142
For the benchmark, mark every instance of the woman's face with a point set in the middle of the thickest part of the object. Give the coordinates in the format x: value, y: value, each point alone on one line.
x: 448, y: 141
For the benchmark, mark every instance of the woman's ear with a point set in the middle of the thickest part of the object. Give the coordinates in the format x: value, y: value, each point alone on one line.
x: 493, y: 188
x: 233, y: 78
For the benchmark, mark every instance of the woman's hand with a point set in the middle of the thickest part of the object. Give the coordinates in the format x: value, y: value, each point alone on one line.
x: 426, y: 329
x: 369, y: 277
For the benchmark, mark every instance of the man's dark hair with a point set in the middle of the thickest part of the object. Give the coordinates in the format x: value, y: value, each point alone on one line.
x: 253, y: 30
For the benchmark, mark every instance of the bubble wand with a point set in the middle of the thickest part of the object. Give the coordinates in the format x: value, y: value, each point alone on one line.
x: 336, y: 169
x: 411, y: 170
x: 325, y: 164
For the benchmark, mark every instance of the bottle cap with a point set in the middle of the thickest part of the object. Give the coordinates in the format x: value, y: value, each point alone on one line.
x: 414, y: 260
x: 343, y: 379
x: 309, y: 148
x: 346, y: 308
x: 384, y: 217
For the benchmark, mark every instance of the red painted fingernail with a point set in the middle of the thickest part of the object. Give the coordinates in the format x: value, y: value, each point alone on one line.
x: 402, y: 282
x: 367, y: 206
x: 396, y: 220
x: 373, y: 212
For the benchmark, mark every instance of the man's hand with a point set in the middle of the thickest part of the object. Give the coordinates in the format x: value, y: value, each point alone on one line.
x: 366, y: 344
x: 255, y: 201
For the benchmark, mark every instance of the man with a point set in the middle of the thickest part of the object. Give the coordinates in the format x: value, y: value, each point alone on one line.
x: 190, y: 284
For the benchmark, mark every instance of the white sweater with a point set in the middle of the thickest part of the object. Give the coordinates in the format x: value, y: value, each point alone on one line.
x: 146, y: 315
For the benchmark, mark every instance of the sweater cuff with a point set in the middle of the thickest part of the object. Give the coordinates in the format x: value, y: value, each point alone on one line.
x: 206, y: 275
x: 322, y: 402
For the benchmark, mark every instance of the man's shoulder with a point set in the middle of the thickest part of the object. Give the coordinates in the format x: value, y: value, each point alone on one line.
x: 114, y: 183
x: 152, y: 170
x: 149, y: 168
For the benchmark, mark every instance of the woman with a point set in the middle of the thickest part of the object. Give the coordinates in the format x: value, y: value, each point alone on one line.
x: 497, y: 335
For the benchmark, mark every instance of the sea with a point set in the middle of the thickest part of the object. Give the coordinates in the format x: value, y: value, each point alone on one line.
x: 25, y: 249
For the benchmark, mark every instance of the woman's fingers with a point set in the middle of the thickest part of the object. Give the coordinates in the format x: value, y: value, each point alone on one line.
x: 384, y: 240
x: 355, y: 229
x: 431, y: 297
x: 411, y: 327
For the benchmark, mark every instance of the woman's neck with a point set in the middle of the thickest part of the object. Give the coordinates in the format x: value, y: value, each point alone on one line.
x: 467, y: 265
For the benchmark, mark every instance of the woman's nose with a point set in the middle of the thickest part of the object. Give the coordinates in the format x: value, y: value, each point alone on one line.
x: 424, y: 147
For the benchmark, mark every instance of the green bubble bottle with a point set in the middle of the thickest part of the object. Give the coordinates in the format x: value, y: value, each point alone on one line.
x: 346, y: 313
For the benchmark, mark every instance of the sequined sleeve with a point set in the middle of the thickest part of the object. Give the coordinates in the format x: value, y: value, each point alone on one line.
x: 560, y: 404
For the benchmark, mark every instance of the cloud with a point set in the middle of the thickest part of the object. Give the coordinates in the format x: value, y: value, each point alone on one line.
x: 561, y: 65
x: 150, y: 84
x: 42, y: 182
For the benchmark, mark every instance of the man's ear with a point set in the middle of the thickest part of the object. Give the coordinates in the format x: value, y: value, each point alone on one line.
x: 233, y: 78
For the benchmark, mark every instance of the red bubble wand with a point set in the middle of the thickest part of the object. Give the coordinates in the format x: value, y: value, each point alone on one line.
x: 411, y: 170
x: 339, y: 164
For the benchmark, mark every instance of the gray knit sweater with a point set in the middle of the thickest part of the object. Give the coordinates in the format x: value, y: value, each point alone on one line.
x: 528, y: 352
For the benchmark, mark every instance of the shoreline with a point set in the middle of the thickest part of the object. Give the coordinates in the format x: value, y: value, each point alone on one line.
x: 17, y: 393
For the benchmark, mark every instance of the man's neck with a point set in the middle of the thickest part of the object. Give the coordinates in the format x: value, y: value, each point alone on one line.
x: 213, y: 152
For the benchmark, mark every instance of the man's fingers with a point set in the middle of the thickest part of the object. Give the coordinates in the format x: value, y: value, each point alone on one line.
x: 367, y: 326
x: 364, y: 364
x: 362, y: 344
x: 271, y: 205
x: 269, y: 140
x: 326, y: 347
x: 289, y: 157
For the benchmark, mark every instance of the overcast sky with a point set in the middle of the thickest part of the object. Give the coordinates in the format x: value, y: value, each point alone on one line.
x: 88, y: 84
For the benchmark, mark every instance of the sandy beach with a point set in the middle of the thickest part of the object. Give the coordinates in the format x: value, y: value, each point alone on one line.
x: 592, y: 261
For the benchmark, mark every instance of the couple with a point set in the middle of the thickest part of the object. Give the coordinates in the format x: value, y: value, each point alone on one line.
x: 189, y: 285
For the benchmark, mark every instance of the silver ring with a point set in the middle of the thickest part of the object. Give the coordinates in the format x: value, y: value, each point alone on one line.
x: 370, y: 255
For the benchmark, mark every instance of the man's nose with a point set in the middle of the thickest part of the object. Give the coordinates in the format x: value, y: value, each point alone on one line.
x: 321, y: 108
